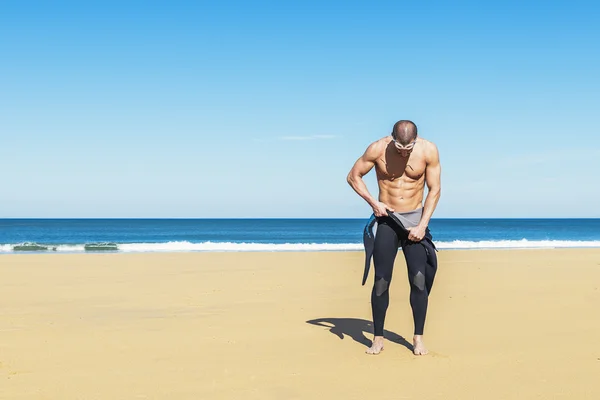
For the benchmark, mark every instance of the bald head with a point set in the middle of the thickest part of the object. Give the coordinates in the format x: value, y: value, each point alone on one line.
x: 404, y: 132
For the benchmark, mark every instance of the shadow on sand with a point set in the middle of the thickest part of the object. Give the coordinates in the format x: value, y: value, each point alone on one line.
x: 354, y: 328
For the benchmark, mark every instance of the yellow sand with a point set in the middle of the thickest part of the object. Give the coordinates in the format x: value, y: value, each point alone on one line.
x: 501, y: 325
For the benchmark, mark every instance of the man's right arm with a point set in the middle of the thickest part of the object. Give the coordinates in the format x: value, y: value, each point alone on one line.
x: 361, y: 167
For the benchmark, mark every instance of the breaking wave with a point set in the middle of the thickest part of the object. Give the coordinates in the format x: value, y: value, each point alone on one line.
x: 185, y: 246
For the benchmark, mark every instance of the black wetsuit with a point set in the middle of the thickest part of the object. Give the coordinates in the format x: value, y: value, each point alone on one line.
x: 421, y: 262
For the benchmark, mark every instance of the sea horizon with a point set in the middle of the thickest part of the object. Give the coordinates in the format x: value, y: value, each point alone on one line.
x: 39, y: 235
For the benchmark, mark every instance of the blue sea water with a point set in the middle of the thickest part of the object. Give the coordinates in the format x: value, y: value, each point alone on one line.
x: 146, y: 235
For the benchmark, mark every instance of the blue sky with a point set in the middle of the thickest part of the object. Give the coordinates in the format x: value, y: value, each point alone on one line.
x: 259, y: 109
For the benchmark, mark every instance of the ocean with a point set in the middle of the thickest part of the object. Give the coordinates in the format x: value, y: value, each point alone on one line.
x: 205, y: 235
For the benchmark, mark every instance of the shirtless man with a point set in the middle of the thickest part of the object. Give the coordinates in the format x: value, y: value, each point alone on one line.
x: 404, y: 162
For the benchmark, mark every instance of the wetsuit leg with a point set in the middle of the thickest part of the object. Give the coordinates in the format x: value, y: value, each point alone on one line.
x: 384, y: 255
x: 421, y: 275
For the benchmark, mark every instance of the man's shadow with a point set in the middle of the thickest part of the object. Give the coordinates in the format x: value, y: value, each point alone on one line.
x: 354, y: 328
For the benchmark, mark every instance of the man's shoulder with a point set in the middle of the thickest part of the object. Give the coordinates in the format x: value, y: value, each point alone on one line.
x: 427, y: 142
x: 429, y: 145
x: 431, y: 150
x: 376, y: 148
x: 382, y: 142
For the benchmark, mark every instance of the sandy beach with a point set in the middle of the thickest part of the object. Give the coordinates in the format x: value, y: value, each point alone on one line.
x: 507, y: 324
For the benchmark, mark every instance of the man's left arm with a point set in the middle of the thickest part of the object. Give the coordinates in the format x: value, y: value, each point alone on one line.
x: 433, y: 171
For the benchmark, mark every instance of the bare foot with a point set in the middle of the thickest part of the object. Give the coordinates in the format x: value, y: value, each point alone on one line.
x: 418, y: 346
x: 377, y: 345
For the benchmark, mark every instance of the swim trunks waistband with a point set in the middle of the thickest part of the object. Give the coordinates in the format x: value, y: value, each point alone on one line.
x: 409, y: 219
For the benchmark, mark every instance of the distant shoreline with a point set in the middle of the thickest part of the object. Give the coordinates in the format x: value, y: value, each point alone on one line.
x: 278, y: 235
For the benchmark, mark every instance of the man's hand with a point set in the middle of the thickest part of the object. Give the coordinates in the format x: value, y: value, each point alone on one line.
x: 417, y: 233
x: 380, y: 209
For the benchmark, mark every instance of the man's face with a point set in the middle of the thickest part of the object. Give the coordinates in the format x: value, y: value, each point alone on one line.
x: 404, y: 150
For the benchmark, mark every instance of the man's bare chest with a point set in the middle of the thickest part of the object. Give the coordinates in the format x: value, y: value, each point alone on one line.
x: 396, y: 168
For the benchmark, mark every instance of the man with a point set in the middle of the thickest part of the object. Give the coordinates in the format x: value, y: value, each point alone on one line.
x: 404, y: 163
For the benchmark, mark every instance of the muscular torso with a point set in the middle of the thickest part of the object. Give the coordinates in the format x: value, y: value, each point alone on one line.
x: 401, y: 180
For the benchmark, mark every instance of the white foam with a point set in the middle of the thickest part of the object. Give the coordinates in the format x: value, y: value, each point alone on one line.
x: 230, y: 246
x: 456, y: 244
x: 70, y: 248
x: 517, y: 244
x: 185, y: 246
